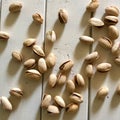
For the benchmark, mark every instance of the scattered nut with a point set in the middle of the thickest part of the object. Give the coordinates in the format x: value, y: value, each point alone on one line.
x: 46, y: 101
x: 37, y: 18
x: 5, y: 103
x: 87, y: 39
x: 104, y: 67
x: 117, y: 60
x: 51, y: 36
x: 30, y: 63
x: 105, y: 42
x: 102, y: 92
x: 70, y: 86
x: 61, y: 79
x: 112, y: 10
x: 17, y: 55
x: 29, y: 42
x: 96, y: 22
x: 52, y: 80
x: 89, y: 70
x: 59, y: 100
x: 4, y: 35
x: 15, y: 7
x: 63, y: 16
x: 42, y: 67
x: 38, y: 50
x: 115, y: 48
x: 118, y: 89
x: 72, y: 107
x: 53, y: 109
x: 16, y: 92
x: 76, y: 97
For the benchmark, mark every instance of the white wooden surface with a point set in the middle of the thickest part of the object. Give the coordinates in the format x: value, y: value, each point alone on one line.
x: 67, y: 46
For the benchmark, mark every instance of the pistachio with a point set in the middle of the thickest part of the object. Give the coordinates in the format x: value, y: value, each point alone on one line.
x: 96, y: 22
x: 102, y: 92
x: 112, y: 10
x: 30, y: 63
x: 115, y: 48
x: 76, y: 97
x: 66, y: 66
x: 51, y: 36
x: 105, y: 42
x: 4, y: 35
x: 111, y: 20
x: 61, y: 79
x: 17, y: 56
x: 104, y: 67
x: 5, y: 103
x: 42, y: 67
x: 29, y: 42
x: 63, y: 16
x: 38, y: 18
x: 118, y: 89
x: 92, y: 57
x: 32, y: 73
x: 89, y: 70
x: 59, y: 100
x: 51, y: 60
x: 117, y: 60
x: 52, y: 80
x: 53, y: 109
x: 87, y: 39
x: 38, y: 50
x: 113, y: 32
x: 15, y: 7
x: 46, y: 100
x: 72, y: 107
x: 79, y: 80
x: 70, y: 86
x: 93, y: 5
x: 16, y: 92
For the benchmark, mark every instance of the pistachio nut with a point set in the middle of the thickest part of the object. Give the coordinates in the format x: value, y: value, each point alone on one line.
x: 42, y: 67
x: 96, y: 22
x: 105, y: 42
x: 118, y: 89
x: 79, y: 80
x: 66, y: 66
x: 53, y: 109
x: 112, y: 10
x: 76, y: 97
x: 16, y: 92
x: 17, y: 56
x: 104, y: 67
x: 111, y: 20
x: 89, y: 70
x: 30, y: 63
x: 51, y: 36
x: 59, y: 100
x: 50, y: 60
x: 113, y: 32
x: 70, y: 86
x: 38, y: 50
x: 38, y: 18
x: 87, y: 39
x: 32, y: 73
x: 116, y: 48
x: 52, y: 80
x: 46, y: 101
x: 72, y: 107
x: 102, y: 92
x: 5, y: 103
x: 29, y: 42
x: 90, y: 58
x: 15, y: 7
x: 61, y: 79
x: 4, y: 35
x: 117, y: 60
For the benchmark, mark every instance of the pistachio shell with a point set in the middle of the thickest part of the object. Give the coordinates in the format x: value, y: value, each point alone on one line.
x: 17, y: 56
x: 70, y: 86
x: 15, y: 7
x: 4, y: 35
x: 72, y: 107
x: 61, y: 79
x: 53, y: 109
x: 111, y: 20
x: 51, y: 36
x: 29, y: 42
x: 87, y: 39
x: 52, y: 80
x: 37, y: 18
x: 16, y: 92
x: 89, y: 70
x: 117, y: 60
x: 30, y: 63
x: 116, y: 48
x: 118, y: 89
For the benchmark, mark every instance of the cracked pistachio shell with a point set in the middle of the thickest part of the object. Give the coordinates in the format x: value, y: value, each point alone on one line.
x: 116, y: 48
x: 4, y: 35
x: 61, y: 79
x: 16, y: 92
x: 30, y: 63
x: 89, y: 70
x: 51, y: 36
x: 117, y: 60
x: 5, y: 103
x: 72, y: 107
x: 59, y: 100
x: 70, y: 86
x: 38, y: 18
x: 29, y: 42
x: 15, y: 7
x: 52, y: 109
x: 111, y: 20
x: 52, y: 80
x: 17, y: 56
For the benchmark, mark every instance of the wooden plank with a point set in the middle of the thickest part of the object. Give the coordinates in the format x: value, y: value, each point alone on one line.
x: 67, y: 46
x: 108, y: 108
x: 20, y: 26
